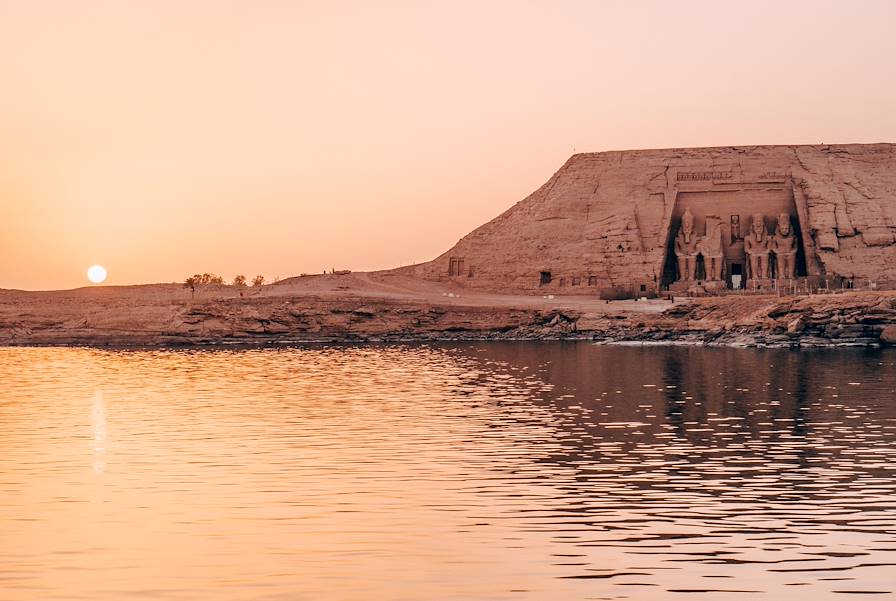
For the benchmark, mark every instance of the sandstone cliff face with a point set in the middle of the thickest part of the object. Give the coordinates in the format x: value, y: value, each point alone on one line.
x: 604, y: 220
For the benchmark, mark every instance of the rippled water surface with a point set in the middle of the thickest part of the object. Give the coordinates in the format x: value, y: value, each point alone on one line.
x: 475, y: 471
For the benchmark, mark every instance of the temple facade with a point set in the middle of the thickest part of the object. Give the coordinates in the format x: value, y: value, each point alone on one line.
x: 637, y: 223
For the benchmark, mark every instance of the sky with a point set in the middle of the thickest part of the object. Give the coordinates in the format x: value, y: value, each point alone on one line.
x: 168, y: 137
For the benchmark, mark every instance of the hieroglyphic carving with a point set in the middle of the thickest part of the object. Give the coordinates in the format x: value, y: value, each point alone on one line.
x: 699, y: 176
x: 772, y: 176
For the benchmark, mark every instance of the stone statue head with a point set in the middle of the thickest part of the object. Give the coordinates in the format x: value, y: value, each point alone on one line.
x: 784, y: 224
x: 759, y: 225
x: 687, y: 224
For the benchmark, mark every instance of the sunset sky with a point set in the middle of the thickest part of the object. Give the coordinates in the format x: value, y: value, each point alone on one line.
x: 162, y: 138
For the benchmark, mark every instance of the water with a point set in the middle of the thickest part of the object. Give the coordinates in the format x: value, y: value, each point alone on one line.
x: 474, y: 471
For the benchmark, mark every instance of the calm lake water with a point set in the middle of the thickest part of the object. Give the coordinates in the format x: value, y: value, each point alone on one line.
x: 469, y: 471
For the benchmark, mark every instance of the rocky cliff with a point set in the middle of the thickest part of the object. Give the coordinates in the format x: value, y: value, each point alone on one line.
x: 604, y: 220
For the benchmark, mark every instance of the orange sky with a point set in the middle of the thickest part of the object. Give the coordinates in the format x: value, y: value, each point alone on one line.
x: 168, y: 137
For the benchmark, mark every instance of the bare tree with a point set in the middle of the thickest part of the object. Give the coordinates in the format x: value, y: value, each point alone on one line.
x: 258, y: 281
x: 239, y: 281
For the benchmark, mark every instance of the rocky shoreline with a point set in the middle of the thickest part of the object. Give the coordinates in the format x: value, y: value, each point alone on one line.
x: 848, y: 319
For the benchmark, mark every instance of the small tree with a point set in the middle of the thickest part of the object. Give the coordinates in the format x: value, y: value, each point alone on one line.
x: 200, y: 280
x: 258, y: 281
x: 190, y: 283
x: 239, y: 281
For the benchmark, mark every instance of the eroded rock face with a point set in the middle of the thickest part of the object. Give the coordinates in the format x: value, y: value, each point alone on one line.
x: 609, y: 220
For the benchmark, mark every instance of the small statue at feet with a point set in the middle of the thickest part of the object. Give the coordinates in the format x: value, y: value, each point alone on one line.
x: 756, y: 245
x: 784, y: 245
x: 686, y: 247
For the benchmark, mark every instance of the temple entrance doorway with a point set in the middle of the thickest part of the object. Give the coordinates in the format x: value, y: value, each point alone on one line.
x: 737, y: 274
x: 455, y: 266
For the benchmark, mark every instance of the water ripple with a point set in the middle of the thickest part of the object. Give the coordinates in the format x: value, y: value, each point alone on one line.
x: 466, y: 471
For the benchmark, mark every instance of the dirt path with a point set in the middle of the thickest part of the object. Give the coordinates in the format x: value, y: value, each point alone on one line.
x: 388, y: 285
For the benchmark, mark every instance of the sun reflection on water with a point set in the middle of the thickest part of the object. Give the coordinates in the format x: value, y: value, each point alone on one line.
x: 98, y: 423
x: 468, y: 471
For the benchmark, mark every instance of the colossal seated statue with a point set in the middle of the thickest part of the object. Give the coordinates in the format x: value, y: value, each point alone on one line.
x: 713, y: 255
x: 756, y: 246
x: 686, y: 248
x: 784, y: 246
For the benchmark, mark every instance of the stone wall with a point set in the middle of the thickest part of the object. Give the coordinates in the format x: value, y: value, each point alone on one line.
x: 604, y: 220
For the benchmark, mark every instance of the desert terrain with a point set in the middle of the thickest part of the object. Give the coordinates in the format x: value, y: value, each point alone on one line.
x: 393, y: 306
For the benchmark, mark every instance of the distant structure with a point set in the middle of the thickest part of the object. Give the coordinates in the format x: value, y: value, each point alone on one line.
x: 635, y: 223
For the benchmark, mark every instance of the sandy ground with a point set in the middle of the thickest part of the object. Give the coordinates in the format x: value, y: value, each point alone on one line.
x: 379, y: 305
x: 382, y: 285
x: 389, y: 285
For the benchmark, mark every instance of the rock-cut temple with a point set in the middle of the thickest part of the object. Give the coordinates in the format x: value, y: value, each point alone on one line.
x: 642, y: 222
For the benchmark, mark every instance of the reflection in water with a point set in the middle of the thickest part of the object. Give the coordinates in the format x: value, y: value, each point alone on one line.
x: 98, y: 419
x: 468, y: 471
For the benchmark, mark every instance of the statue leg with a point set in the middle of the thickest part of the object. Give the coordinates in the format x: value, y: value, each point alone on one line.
x: 791, y: 266
x: 682, y: 268
x: 692, y: 267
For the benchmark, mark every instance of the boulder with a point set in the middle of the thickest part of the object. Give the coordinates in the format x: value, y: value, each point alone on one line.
x: 888, y: 334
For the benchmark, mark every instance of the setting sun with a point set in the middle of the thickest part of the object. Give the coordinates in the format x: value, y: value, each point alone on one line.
x: 413, y: 299
x: 97, y: 274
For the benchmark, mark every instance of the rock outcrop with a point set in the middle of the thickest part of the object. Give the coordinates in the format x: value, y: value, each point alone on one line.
x: 604, y: 220
x: 854, y: 318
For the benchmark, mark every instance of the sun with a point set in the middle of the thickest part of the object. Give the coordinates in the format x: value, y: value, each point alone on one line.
x: 97, y: 274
